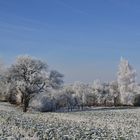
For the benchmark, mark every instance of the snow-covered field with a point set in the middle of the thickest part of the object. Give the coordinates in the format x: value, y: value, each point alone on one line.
x: 85, y: 125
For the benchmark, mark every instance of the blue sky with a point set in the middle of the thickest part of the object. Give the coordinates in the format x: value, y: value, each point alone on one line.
x: 83, y: 39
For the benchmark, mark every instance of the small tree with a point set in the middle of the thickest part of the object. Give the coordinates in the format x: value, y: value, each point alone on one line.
x: 81, y: 91
x: 30, y: 75
x: 114, y: 92
x: 98, y: 89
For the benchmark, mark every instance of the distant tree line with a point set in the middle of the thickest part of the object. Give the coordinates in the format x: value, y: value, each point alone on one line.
x: 30, y: 84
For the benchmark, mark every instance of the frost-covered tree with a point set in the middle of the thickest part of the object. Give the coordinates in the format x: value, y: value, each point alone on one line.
x: 91, y: 98
x: 30, y: 75
x: 63, y: 99
x: 126, y: 82
x: 103, y: 94
x: 114, y: 93
x: 80, y: 90
x: 98, y: 89
x: 55, y: 79
x: 68, y: 90
x: 4, y: 85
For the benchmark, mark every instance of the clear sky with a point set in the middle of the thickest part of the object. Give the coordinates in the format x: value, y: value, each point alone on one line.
x: 83, y: 39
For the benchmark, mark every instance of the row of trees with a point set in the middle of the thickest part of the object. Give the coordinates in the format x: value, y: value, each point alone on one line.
x: 123, y: 91
x: 29, y: 82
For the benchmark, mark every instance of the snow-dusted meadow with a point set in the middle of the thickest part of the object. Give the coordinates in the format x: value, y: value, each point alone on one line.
x: 85, y: 125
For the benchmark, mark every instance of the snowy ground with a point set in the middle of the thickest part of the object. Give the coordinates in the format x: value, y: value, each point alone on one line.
x: 85, y: 125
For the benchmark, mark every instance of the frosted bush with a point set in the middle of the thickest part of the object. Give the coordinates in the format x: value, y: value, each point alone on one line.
x: 43, y: 102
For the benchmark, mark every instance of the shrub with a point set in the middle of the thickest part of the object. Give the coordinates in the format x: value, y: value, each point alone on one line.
x: 43, y: 103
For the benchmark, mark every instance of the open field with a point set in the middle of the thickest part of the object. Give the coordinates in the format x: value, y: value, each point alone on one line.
x: 85, y: 125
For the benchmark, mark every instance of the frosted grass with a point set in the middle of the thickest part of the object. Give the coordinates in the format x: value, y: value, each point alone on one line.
x: 85, y: 125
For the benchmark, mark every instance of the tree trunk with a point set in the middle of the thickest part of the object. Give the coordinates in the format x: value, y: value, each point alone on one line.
x: 24, y: 108
x: 25, y: 103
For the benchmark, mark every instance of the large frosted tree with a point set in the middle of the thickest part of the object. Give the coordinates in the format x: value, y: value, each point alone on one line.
x: 31, y: 76
x: 126, y: 82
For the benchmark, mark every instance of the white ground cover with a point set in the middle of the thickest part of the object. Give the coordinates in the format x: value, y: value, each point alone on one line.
x: 85, y: 125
